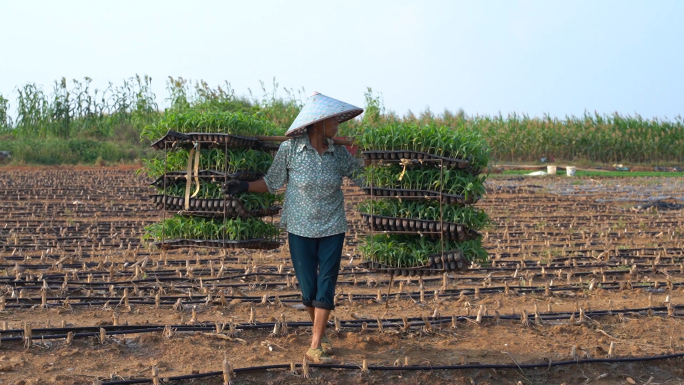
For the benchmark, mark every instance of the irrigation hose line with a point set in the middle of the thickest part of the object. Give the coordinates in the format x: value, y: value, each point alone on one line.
x: 25, y: 303
x: 204, y: 267
x: 411, y: 368
x: 59, y: 278
x: 136, y: 301
x: 165, y: 275
x: 612, y: 285
x: 577, y: 258
x: 201, y: 298
x: 161, y: 274
x: 91, y: 331
x: 526, y: 264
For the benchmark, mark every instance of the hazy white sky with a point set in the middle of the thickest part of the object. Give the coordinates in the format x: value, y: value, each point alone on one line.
x: 526, y: 56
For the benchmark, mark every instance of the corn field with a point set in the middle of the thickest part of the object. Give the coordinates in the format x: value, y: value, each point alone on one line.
x: 75, y: 109
x: 121, y: 113
x: 598, y: 138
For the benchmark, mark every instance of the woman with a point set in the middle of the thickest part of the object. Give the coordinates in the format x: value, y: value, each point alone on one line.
x: 313, y: 215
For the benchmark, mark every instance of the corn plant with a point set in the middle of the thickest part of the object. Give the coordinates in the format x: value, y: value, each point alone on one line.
x: 258, y: 201
x: 210, y: 159
x: 212, y: 190
x: 472, y: 217
x: 207, y: 190
x: 410, y: 251
x: 448, y: 181
x: 281, y: 111
x: 5, y: 120
x: 213, y: 121
x: 452, y: 142
x: 181, y: 227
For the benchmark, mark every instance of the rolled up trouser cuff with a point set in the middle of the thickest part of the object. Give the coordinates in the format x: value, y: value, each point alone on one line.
x: 323, y: 305
x: 316, y: 262
x: 308, y: 303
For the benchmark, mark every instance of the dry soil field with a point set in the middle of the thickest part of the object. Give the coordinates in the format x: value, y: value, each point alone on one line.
x: 583, y: 286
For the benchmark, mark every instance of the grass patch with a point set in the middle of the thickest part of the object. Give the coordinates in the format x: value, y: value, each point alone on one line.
x: 55, y: 151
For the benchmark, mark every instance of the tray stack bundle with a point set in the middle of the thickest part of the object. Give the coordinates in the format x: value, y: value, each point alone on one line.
x: 189, y: 178
x: 423, y: 182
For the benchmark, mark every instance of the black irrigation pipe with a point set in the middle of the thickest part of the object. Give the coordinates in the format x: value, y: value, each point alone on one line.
x: 101, y: 273
x: 410, y: 368
x: 139, y: 253
x: 82, y: 335
x: 134, y: 241
x: 172, y: 275
x: 31, y: 302
x: 120, y: 284
x: 175, y: 262
x: 518, y: 256
x: 26, y: 303
x: 90, y: 331
x: 151, y: 279
x: 155, y: 280
x: 204, y: 269
x: 578, y: 286
x: 524, y: 265
x: 448, y: 293
x: 84, y: 332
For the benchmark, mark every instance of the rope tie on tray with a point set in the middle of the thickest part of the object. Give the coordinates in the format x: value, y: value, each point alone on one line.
x: 195, y: 150
x: 404, y: 162
x: 197, y: 163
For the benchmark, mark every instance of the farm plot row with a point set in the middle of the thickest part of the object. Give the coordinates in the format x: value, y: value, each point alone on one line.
x: 569, y: 277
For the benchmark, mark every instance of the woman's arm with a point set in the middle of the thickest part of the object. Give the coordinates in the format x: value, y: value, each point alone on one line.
x: 258, y: 186
x: 351, y: 168
x: 276, y: 176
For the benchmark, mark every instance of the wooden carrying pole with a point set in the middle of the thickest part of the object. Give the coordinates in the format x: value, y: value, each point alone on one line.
x: 342, y: 142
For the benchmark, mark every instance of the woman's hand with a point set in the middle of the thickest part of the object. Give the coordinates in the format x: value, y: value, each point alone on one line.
x: 234, y: 187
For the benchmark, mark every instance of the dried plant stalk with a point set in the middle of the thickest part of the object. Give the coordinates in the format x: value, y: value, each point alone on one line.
x: 155, y: 376
x: 28, y: 335
x: 305, y: 368
x: 524, y: 319
x: 227, y: 372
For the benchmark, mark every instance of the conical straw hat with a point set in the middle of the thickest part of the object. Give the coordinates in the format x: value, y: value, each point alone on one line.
x: 318, y: 108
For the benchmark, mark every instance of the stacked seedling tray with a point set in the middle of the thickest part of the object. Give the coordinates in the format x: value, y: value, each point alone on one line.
x: 423, y: 182
x: 189, y: 178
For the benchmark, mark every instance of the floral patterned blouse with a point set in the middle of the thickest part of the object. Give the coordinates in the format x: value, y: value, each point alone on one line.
x: 314, y: 203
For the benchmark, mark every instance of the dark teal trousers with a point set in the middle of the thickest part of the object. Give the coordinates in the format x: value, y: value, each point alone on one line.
x: 317, y: 263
